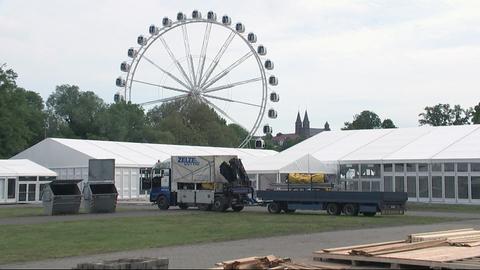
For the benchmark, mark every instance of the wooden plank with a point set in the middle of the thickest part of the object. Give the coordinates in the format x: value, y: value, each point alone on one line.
x: 411, y: 246
x: 359, y: 246
x: 399, y: 261
x: 443, y: 235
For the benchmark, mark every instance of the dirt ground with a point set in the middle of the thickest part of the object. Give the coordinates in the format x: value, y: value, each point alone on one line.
x: 299, y: 247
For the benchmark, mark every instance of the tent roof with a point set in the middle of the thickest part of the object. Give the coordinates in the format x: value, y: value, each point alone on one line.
x: 76, y: 152
x: 23, y: 167
x: 380, y: 145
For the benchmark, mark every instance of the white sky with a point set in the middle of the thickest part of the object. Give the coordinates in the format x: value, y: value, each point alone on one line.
x: 334, y: 58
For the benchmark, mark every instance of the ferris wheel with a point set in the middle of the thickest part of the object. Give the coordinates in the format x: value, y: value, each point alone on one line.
x: 213, y: 62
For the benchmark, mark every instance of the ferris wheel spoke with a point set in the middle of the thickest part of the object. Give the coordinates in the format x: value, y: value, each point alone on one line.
x: 230, y: 85
x: 188, y: 54
x: 227, y: 70
x: 223, y: 113
x: 231, y: 100
x: 175, y: 61
x: 203, y: 52
x: 162, y: 86
x: 166, y: 72
x: 217, y: 58
x: 163, y: 100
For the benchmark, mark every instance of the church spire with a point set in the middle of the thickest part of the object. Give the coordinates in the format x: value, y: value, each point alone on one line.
x: 298, y: 124
x: 306, y: 125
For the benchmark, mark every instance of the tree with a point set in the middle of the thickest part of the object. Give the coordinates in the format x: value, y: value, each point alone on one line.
x: 21, y: 116
x: 74, y: 111
x: 444, y: 115
x: 364, y: 120
x: 476, y: 114
x: 195, y: 123
x: 388, y: 123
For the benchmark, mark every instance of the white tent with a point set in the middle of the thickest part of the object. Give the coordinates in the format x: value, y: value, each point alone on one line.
x: 69, y: 158
x: 23, y: 167
x: 22, y: 180
x: 288, y: 164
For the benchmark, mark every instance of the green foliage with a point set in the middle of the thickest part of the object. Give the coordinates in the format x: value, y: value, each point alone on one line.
x: 445, y: 115
x: 388, y: 123
x: 21, y: 116
x: 195, y: 123
x: 476, y: 114
x: 364, y: 120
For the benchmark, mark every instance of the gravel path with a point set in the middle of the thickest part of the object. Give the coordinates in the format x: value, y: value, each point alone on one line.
x: 294, y: 246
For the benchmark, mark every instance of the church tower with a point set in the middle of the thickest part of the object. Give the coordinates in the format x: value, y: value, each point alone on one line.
x: 298, y: 125
x: 306, y: 125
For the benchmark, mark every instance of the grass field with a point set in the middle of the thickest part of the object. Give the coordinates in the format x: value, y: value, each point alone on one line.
x: 61, y: 239
x: 29, y: 211
x: 435, y: 207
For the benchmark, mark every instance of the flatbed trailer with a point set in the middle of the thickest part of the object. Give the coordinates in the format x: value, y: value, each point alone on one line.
x: 334, y: 202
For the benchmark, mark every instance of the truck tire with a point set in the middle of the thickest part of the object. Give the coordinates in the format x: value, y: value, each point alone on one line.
x: 183, y: 206
x: 204, y: 207
x: 333, y: 209
x: 369, y: 214
x: 219, y: 205
x: 162, y: 203
x: 237, y: 208
x: 274, y: 208
x: 350, y: 209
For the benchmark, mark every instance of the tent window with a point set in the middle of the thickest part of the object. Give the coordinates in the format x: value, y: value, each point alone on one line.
x: 412, y: 186
x: 370, y: 170
x: 399, y: 186
x: 411, y: 167
x: 388, y: 183
x: 463, y: 187
x: 436, y: 187
x: 387, y: 167
x: 399, y: 167
x: 475, y: 187
x: 462, y: 167
x: 423, y: 186
x: 423, y: 167
x: 450, y: 187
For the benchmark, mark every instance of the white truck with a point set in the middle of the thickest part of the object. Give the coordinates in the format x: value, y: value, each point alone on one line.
x: 207, y: 182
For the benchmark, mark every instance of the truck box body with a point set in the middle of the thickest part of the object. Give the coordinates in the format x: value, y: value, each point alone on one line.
x: 197, y: 169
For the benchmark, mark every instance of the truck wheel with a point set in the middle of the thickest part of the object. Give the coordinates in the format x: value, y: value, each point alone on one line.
x: 204, y: 207
x: 237, y: 208
x: 350, y: 209
x: 369, y: 214
x: 162, y: 203
x: 273, y: 208
x: 183, y: 206
x: 333, y: 209
x: 219, y: 205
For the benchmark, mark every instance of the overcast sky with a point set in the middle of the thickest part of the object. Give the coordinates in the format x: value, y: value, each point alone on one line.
x: 334, y: 58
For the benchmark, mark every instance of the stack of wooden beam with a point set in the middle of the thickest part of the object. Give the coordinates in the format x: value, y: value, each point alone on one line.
x: 463, y: 237
x: 267, y: 262
x: 453, y: 249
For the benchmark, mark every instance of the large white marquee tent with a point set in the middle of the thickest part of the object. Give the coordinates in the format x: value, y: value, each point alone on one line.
x: 437, y: 164
x: 69, y: 158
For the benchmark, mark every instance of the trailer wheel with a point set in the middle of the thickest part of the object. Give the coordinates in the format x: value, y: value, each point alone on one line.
x: 204, y: 207
x: 162, y: 203
x: 183, y: 206
x: 219, y: 205
x: 350, y: 209
x: 237, y: 208
x: 333, y: 209
x: 274, y: 208
x: 369, y: 214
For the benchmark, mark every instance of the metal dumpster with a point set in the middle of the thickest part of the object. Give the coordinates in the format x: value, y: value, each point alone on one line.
x: 99, y: 193
x: 62, y: 197
x: 100, y: 197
